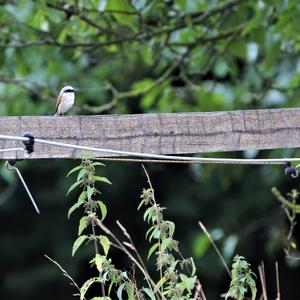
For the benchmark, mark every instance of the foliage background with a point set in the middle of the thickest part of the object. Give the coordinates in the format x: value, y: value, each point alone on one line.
x: 144, y: 56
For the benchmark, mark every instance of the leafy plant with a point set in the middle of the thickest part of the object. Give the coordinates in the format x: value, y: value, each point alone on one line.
x: 177, y: 278
x: 242, y: 279
x: 173, y: 283
x: 95, y: 211
x: 291, y: 209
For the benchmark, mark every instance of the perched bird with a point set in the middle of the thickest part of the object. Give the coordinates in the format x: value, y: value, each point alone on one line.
x: 65, y: 100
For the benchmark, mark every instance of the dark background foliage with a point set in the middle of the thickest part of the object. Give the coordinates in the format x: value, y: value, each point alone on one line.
x: 140, y: 56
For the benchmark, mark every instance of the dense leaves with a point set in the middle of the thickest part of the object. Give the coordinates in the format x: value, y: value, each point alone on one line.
x: 163, y: 55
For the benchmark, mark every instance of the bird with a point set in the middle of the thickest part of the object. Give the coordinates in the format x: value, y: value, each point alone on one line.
x: 65, y: 100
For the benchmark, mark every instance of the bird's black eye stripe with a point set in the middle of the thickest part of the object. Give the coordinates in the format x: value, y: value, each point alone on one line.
x: 69, y: 91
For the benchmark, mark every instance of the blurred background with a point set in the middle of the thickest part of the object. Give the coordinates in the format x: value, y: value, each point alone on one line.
x: 140, y: 56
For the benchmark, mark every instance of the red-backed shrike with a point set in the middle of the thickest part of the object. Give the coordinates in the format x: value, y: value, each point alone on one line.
x: 65, y: 100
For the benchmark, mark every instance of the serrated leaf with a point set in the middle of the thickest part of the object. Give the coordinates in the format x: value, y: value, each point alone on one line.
x: 78, y: 243
x: 74, y: 170
x: 152, y: 249
x: 74, y: 186
x: 82, y: 224
x: 89, y: 192
x: 120, y: 291
x: 103, y: 209
x: 102, y: 179
x: 87, y: 285
x: 149, y: 293
x: 105, y: 243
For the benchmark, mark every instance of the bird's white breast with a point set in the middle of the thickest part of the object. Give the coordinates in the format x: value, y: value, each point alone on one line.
x: 66, y: 103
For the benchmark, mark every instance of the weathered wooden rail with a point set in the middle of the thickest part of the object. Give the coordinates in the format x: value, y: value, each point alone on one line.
x: 166, y: 133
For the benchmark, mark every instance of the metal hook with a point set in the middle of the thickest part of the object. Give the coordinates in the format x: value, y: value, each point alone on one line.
x: 11, y: 167
x: 25, y: 152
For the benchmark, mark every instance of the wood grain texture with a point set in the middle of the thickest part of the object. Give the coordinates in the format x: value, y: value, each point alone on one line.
x: 169, y: 133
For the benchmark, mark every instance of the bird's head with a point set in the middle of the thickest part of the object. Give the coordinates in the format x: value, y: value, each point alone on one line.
x: 67, y: 89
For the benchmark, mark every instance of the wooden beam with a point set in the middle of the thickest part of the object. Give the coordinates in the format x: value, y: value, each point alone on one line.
x: 166, y: 133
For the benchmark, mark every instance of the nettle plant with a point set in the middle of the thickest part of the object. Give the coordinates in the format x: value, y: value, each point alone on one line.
x: 176, y: 275
x: 177, y: 279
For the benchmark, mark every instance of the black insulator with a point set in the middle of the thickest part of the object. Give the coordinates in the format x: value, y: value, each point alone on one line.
x: 29, y: 143
x: 290, y: 170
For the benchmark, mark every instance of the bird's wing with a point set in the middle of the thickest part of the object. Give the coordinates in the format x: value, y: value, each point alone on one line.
x: 58, y: 101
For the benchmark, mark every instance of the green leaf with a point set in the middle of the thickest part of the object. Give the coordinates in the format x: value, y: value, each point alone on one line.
x: 87, y: 285
x: 78, y: 243
x: 74, y: 170
x: 102, y: 179
x: 81, y: 174
x: 105, y: 243
x: 149, y: 293
x: 120, y: 291
x: 171, y: 228
x: 90, y: 191
x: 120, y: 5
x: 73, y: 208
x: 103, y: 209
x: 160, y: 284
x: 82, y: 197
x: 148, y: 214
x: 193, y: 266
x: 155, y: 234
x: 76, y: 205
x: 99, y: 260
x: 97, y: 163
x: 141, y: 204
x: 152, y: 249
x: 188, y: 282
x: 165, y: 244
x: 82, y: 224
x: 130, y: 291
x: 149, y: 230
x: 74, y: 186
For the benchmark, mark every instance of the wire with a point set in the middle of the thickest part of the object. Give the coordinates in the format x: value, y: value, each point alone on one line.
x: 12, y: 149
x: 10, y: 167
x: 162, y: 158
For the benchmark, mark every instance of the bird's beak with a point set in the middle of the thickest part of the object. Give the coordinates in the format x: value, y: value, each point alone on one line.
x: 75, y: 90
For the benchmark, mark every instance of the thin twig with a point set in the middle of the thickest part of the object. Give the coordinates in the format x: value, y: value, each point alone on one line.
x: 133, y: 246
x: 277, y: 281
x: 262, y: 276
x: 65, y: 273
x: 149, y: 280
x: 199, y: 293
x: 215, y: 247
